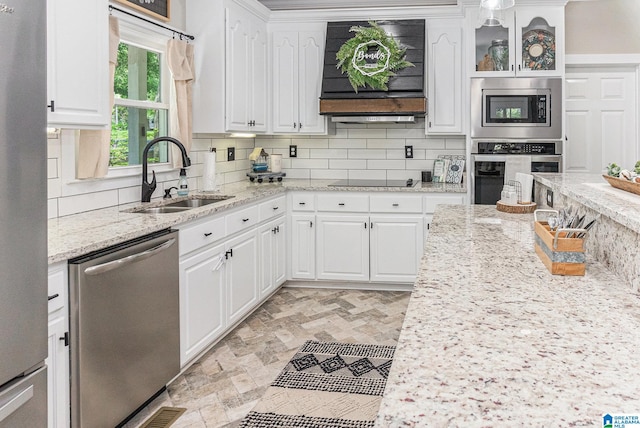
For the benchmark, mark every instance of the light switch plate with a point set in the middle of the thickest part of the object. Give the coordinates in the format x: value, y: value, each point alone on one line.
x: 408, y: 152
x: 293, y: 151
x: 550, y: 198
x: 231, y: 153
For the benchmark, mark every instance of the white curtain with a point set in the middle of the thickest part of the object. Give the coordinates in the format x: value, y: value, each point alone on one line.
x: 94, y: 146
x: 180, y: 62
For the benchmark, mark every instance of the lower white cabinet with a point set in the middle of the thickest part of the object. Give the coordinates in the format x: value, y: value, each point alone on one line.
x: 273, y: 256
x: 396, y: 247
x: 343, y: 247
x: 303, y: 246
x: 242, y: 274
x: 58, y: 350
x: 202, y: 301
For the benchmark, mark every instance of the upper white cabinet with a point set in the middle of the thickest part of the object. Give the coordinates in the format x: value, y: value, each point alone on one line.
x: 297, y: 79
x: 247, y: 76
x: 530, y: 43
x: 78, y: 63
x: 444, y: 77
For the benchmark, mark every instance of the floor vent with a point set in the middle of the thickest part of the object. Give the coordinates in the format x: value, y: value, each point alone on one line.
x: 164, y: 417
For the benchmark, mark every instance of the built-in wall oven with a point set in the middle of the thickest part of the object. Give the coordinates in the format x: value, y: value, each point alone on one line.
x: 516, y: 108
x: 489, y: 160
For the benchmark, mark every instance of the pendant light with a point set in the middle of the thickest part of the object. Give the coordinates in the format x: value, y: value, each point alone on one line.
x: 497, y: 4
x: 491, y: 17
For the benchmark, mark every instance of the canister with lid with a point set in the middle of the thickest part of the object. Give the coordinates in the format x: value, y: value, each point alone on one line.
x: 499, y: 52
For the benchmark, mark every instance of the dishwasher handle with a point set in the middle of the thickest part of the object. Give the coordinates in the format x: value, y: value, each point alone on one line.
x: 115, y: 264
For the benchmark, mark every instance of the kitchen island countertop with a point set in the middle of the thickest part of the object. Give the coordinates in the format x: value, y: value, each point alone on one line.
x: 74, y: 235
x: 491, y: 338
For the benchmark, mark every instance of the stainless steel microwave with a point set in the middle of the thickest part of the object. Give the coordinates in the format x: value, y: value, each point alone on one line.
x: 514, y: 107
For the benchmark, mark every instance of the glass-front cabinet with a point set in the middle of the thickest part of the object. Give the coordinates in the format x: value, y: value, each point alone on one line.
x: 529, y: 41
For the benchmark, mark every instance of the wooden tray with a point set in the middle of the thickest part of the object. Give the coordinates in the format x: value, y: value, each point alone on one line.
x: 565, y: 258
x: 623, y: 184
x: 516, y: 209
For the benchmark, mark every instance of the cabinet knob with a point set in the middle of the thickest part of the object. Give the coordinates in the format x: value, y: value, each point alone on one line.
x: 299, y: 125
x: 294, y: 125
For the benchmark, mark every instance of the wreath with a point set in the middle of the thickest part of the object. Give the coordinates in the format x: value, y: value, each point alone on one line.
x: 364, y: 67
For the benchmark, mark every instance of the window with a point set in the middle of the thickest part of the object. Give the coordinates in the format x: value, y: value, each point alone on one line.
x: 141, y: 109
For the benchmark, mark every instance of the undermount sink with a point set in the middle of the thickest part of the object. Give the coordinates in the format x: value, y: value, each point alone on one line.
x: 183, y: 205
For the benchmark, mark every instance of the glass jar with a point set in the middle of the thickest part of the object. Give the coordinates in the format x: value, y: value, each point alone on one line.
x: 499, y: 53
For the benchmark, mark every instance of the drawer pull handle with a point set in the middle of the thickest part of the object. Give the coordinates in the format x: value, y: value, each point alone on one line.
x: 244, y: 220
x: 341, y: 204
x: 275, y: 208
x: 396, y: 205
x: 228, y: 254
x: 302, y: 203
x: 208, y: 233
x: 53, y: 296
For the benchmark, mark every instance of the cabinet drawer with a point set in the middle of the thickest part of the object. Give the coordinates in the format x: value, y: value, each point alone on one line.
x: 273, y: 208
x: 303, y: 202
x: 241, y: 219
x: 430, y: 201
x: 201, y: 234
x: 343, y: 201
x: 396, y: 203
x: 56, y: 290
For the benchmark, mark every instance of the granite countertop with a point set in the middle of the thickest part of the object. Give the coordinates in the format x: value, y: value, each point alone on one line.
x: 78, y: 234
x: 491, y: 338
x: 594, y: 192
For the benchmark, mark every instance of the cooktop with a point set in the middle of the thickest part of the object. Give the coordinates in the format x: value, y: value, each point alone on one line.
x: 374, y: 183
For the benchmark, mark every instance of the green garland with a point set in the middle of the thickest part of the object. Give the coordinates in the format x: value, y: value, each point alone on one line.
x: 352, y: 60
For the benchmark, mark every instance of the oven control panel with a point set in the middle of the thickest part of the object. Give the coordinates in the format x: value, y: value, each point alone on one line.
x: 516, y: 148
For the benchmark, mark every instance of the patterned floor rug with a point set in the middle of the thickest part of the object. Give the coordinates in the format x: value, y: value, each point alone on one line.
x: 326, y: 385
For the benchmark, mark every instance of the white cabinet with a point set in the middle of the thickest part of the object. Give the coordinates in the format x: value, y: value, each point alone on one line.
x: 397, y: 244
x: 297, y: 79
x: 202, y: 297
x: 303, y: 245
x: 247, y: 77
x: 242, y: 275
x: 444, y: 76
x: 58, y: 350
x: 78, y: 63
x: 272, y: 255
x: 343, y: 247
x: 531, y: 41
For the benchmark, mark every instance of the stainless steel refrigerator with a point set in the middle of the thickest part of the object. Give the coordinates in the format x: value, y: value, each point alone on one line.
x: 23, y: 214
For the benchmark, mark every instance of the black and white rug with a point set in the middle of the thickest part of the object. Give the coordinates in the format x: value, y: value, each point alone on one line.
x: 326, y: 384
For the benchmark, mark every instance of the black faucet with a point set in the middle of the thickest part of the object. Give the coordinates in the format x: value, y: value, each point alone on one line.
x: 148, y: 188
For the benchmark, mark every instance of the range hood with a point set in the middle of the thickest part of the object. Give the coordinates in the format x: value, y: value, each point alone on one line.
x: 405, y: 98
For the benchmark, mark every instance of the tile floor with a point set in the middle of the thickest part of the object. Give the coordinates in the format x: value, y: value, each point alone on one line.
x: 225, y: 384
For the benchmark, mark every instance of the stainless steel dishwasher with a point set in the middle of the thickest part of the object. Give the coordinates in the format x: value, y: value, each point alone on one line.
x: 124, y: 328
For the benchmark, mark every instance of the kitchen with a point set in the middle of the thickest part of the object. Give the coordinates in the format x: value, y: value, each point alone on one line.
x: 348, y: 151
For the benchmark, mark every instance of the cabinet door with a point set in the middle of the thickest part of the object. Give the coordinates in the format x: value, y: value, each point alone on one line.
x: 539, y: 40
x: 78, y: 63
x: 58, y: 374
x: 242, y: 275
x: 272, y: 256
x: 311, y: 57
x: 237, y: 69
x: 397, y: 244
x: 481, y: 37
x: 444, y: 77
x: 259, y: 76
x: 343, y: 247
x: 303, y: 246
x: 202, y: 295
x: 285, y: 82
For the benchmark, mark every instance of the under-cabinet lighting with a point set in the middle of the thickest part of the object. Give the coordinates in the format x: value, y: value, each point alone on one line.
x: 242, y: 135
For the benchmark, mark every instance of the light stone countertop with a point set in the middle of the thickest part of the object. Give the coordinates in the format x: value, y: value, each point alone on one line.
x: 491, y: 338
x: 78, y: 234
x: 592, y: 191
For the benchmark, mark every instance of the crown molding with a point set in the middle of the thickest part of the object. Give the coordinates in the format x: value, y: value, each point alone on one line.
x: 371, y: 13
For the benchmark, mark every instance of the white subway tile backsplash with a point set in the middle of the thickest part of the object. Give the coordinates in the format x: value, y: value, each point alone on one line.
x: 347, y: 164
x: 329, y: 174
x: 128, y: 195
x: 368, y: 133
x: 455, y: 144
x: 328, y: 153
x: 299, y: 173
x: 367, y: 174
x: 367, y: 154
x: 310, y: 163
x: 54, y: 188
x: 52, y: 208
x: 348, y: 143
x: 307, y: 143
x: 87, y: 202
x: 406, y: 133
x: 386, y: 164
x: 52, y: 168
x: 428, y: 143
x: 385, y: 143
x: 404, y: 175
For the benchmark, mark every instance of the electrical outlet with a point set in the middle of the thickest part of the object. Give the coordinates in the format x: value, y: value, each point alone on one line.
x: 550, y: 198
x: 293, y: 151
x: 231, y: 153
x: 408, y: 152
